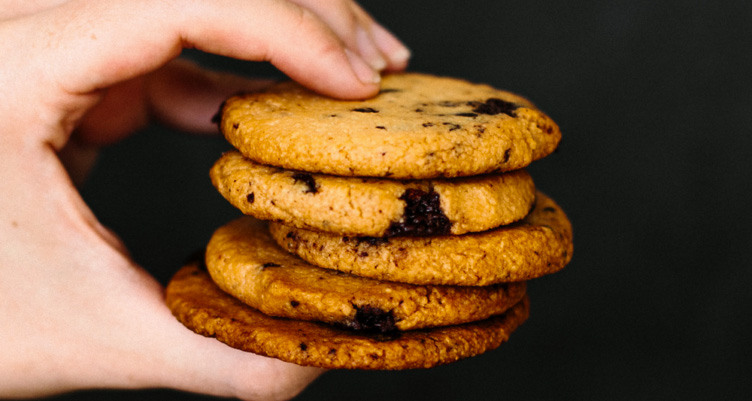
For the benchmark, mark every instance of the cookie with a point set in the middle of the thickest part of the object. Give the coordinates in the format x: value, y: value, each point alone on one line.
x: 373, y: 207
x: 419, y: 126
x: 244, y: 261
x: 202, y: 307
x: 539, y: 244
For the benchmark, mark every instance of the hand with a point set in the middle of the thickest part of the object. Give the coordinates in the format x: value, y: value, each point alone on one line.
x: 76, y: 311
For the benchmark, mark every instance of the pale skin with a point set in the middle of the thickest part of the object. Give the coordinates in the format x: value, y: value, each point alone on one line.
x: 75, y: 311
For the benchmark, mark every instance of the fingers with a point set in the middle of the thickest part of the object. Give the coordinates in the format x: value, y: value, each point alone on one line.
x: 186, y: 97
x: 290, y: 37
x: 92, y: 45
x: 378, y: 47
x: 181, y: 95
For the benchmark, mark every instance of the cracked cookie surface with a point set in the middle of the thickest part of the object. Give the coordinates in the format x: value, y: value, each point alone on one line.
x: 244, y: 261
x: 419, y: 126
x: 202, y: 307
x: 539, y: 244
x: 371, y: 206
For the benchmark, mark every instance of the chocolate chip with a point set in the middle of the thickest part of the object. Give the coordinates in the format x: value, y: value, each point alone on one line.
x: 251, y: 197
x: 270, y: 264
x: 380, y: 127
x: 466, y: 115
x: 372, y: 318
x: 493, y: 106
x: 303, y: 346
x: 506, y: 155
x: 453, y: 126
x: 389, y: 90
x: 308, y: 180
x: 428, y: 125
x: 332, y: 351
x: 235, y: 125
x: 422, y: 215
x: 365, y: 110
x: 418, y: 110
x: 294, y: 303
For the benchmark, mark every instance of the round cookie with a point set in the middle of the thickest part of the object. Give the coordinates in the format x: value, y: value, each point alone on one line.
x: 244, y: 261
x: 537, y: 245
x: 419, y: 126
x: 373, y: 207
x: 202, y: 307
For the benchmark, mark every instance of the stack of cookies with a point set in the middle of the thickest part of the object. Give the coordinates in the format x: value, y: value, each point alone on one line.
x: 391, y: 233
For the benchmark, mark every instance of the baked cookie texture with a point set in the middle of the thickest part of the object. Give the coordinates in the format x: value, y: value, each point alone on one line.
x: 202, y: 307
x: 370, y: 206
x: 419, y: 126
x: 539, y: 244
x: 245, y: 262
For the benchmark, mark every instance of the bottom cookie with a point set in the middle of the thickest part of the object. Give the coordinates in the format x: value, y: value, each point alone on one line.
x: 202, y: 307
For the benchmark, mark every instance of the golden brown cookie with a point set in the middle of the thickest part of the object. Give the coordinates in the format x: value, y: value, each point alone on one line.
x: 373, y: 207
x: 539, y: 244
x: 245, y: 262
x: 202, y: 307
x: 419, y: 126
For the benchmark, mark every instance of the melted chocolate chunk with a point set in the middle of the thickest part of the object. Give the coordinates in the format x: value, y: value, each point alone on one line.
x: 250, y: 198
x: 494, y: 106
x: 371, y: 318
x: 423, y: 215
x: 365, y: 110
x: 308, y: 180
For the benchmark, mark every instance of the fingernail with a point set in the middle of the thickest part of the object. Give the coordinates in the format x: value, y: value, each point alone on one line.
x: 362, y: 70
x: 368, y: 50
x: 390, y: 46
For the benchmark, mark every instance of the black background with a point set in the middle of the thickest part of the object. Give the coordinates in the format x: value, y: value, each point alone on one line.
x: 654, y: 100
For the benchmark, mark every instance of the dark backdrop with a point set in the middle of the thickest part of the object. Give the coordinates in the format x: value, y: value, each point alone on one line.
x: 654, y: 100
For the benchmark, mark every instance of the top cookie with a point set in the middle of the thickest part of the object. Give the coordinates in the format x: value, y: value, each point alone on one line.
x: 419, y: 126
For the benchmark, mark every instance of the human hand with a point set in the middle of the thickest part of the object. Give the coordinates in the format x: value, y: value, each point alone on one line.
x: 77, y: 312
